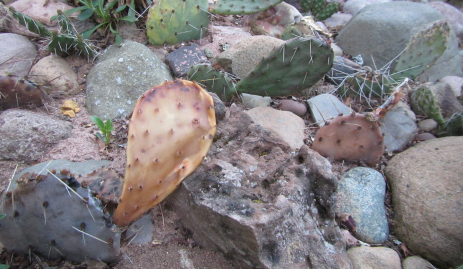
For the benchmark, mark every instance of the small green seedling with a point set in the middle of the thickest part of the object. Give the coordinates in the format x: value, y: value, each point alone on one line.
x: 105, y: 128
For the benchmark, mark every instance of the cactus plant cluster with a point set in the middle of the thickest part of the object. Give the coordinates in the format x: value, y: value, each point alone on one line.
x: 423, y: 50
x: 66, y: 41
x: 319, y: 9
x: 170, y: 133
x: 55, y: 216
x: 19, y: 92
x: 288, y: 69
x: 356, y: 137
x: 174, y: 21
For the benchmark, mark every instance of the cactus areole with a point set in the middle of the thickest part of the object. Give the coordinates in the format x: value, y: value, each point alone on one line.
x: 170, y: 133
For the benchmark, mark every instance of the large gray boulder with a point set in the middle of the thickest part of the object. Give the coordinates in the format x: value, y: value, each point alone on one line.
x: 27, y: 136
x: 122, y: 75
x: 426, y: 183
x: 382, y: 31
x: 261, y: 204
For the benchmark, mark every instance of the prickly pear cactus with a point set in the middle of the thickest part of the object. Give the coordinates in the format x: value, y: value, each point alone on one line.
x: 319, y: 9
x: 296, y: 65
x: 54, y: 216
x: 174, y: 21
x: 216, y: 81
x: 16, y: 92
x: 424, y: 101
x: 240, y: 7
x: 170, y: 133
x: 351, y: 137
x: 30, y: 24
x: 422, y: 51
x: 366, y: 84
x: 452, y: 126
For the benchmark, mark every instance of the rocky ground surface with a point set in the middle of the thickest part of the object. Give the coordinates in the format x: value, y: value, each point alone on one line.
x: 262, y: 197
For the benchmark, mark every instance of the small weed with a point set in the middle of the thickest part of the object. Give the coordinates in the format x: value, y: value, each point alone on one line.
x: 105, y: 128
x: 107, y: 17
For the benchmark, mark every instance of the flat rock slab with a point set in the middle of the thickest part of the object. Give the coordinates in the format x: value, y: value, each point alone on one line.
x: 258, y: 205
x: 283, y: 124
x: 361, y: 194
x: 325, y: 107
x: 180, y: 60
x: 27, y: 136
x: 122, y: 75
x: 426, y: 183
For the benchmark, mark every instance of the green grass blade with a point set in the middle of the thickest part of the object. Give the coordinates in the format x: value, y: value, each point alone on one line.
x: 98, y: 122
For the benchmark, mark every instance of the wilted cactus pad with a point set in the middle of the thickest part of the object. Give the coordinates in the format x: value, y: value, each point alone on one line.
x: 170, y: 133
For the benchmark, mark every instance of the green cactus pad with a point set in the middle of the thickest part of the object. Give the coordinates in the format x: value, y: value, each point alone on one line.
x: 425, y: 102
x: 327, y: 11
x: 290, y: 68
x: 452, y: 126
x: 240, y: 7
x: 30, y: 24
x: 296, y: 29
x: 422, y: 51
x: 215, y: 80
x: 175, y: 21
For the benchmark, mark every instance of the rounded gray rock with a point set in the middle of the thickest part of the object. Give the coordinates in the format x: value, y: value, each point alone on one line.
x: 121, y: 77
x: 16, y: 54
x: 427, y: 186
x: 361, y: 194
x: 399, y: 130
x: 27, y: 136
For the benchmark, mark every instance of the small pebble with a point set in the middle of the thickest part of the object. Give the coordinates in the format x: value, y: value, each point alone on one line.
x: 293, y: 106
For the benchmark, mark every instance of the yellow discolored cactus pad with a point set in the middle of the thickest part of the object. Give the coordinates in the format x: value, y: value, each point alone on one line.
x: 170, y: 132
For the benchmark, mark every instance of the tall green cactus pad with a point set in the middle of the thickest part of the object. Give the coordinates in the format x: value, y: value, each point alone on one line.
x: 174, y: 21
x: 290, y: 68
x: 425, y: 102
x: 422, y: 51
x: 30, y: 24
x: 240, y: 7
x: 216, y: 81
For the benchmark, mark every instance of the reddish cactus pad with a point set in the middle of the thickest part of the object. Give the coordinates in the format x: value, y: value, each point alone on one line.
x: 170, y: 133
x: 351, y: 137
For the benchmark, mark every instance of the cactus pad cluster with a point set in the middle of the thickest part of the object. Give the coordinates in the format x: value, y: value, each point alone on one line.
x: 54, y: 215
x: 170, y: 133
x: 62, y: 42
x: 351, y: 137
x: 174, y: 21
